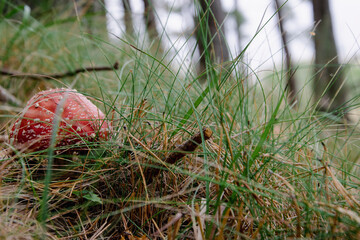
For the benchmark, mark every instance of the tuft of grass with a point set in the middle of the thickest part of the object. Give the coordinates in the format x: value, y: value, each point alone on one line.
x: 268, y: 172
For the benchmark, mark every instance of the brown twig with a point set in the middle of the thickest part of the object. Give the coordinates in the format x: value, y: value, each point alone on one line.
x: 6, y: 96
x: 185, y: 148
x: 58, y: 75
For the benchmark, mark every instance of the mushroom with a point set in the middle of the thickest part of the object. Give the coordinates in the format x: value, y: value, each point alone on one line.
x: 79, y: 121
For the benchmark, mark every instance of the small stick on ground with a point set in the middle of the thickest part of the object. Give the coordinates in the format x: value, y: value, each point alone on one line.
x: 7, y: 97
x: 179, y: 152
x: 58, y: 75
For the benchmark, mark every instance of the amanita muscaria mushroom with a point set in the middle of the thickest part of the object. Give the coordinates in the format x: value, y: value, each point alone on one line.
x: 79, y: 120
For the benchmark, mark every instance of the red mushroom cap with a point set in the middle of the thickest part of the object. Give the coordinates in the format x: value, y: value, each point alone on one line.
x: 80, y: 120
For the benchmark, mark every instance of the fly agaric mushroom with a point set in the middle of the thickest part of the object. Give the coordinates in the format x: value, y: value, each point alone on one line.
x: 80, y: 120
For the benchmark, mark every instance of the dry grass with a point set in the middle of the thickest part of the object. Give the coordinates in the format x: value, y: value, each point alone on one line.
x: 101, y: 192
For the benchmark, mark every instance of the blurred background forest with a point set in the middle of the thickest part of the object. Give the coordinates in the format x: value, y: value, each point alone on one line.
x: 301, y: 38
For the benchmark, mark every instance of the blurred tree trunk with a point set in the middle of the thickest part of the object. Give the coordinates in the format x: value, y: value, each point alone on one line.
x: 99, y: 6
x: 150, y: 23
x: 211, y: 35
x: 91, y: 7
x: 38, y: 7
x: 239, y: 19
x: 91, y: 13
x: 291, y: 83
x: 150, y: 20
x: 129, y: 26
x: 329, y: 85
